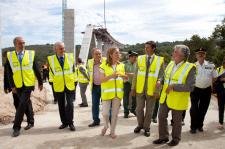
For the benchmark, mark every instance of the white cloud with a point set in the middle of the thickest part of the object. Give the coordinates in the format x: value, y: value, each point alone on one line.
x: 128, y: 21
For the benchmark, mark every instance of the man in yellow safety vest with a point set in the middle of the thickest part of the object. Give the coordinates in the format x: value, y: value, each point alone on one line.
x: 62, y: 72
x: 179, y: 80
x: 22, y: 70
x: 146, y: 84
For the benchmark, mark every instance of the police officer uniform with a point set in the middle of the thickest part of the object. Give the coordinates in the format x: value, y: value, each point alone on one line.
x: 200, y: 96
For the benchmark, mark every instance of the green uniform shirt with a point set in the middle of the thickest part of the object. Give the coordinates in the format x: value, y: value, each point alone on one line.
x: 129, y: 68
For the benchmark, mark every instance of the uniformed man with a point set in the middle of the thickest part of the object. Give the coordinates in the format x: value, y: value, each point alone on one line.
x: 130, y: 66
x: 200, y: 97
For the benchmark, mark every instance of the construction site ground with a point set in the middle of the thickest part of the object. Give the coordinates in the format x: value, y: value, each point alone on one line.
x: 46, y: 135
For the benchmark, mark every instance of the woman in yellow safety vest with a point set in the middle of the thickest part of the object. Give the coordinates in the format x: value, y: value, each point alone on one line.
x: 112, y: 74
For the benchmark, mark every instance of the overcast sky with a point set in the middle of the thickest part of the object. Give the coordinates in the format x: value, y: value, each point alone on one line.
x: 128, y: 21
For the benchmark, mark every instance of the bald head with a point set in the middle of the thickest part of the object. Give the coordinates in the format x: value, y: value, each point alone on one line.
x: 97, y: 55
x: 59, y: 48
x: 19, y: 43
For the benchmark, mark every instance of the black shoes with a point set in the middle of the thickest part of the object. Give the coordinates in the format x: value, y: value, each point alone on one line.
x: 173, y: 143
x: 29, y: 126
x: 93, y: 124
x: 163, y: 141
x: 137, y: 129
x: 160, y: 141
x: 63, y: 126
x: 193, y: 131
x: 200, y: 129
x: 83, y: 105
x: 15, y: 133
x: 147, y: 133
x: 72, y: 127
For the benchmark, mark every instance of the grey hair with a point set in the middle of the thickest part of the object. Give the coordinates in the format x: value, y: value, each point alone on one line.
x: 184, y: 49
x: 56, y: 44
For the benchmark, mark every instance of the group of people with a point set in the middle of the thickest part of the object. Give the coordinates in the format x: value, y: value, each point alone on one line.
x: 142, y: 82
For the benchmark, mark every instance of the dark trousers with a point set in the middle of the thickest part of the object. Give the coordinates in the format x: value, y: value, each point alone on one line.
x: 75, y: 90
x: 221, y: 103
x: 200, y: 99
x: 126, y: 99
x: 65, y: 103
x: 16, y: 102
x: 96, y: 95
x: 53, y: 92
x: 163, y: 123
x: 24, y: 105
x: 183, y: 117
x: 156, y: 108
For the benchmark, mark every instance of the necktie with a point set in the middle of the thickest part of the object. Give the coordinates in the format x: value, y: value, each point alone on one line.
x: 147, y: 66
x: 61, y: 60
x: 20, y: 56
x: 146, y: 73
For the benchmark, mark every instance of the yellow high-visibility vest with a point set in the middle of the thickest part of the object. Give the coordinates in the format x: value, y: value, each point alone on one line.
x: 176, y: 100
x: 62, y: 76
x: 113, y: 88
x: 91, y: 69
x: 81, y: 77
x: 76, y: 74
x: 23, y: 73
x: 152, y: 74
x: 220, y: 70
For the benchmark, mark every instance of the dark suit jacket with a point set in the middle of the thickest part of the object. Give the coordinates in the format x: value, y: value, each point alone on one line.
x: 218, y: 84
x: 6, y: 80
x: 36, y: 72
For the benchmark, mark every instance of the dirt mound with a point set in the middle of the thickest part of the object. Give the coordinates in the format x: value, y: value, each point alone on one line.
x: 7, y: 109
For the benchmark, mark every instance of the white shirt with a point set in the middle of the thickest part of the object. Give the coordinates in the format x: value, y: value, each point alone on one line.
x: 175, y: 67
x: 151, y: 58
x: 205, y: 73
x: 20, y: 54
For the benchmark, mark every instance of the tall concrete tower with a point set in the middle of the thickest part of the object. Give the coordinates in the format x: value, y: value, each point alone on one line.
x: 68, y: 27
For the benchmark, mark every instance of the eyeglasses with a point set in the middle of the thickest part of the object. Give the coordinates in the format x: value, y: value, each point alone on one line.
x: 21, y: 42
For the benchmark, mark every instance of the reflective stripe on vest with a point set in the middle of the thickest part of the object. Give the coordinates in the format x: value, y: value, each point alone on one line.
x: 113, y: 88
x: 81, y: 77
x: 23, y: 73
x: 62, y: 77
x: 220, y: 70
x: 152, y: 74
x: 176, y: 100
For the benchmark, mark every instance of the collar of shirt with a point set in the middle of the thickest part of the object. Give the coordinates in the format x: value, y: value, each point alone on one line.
x: 21, y: 52
x: 60, y: 56
x: 204, y: 63
x: 151, y: 57
x: 176, y: 66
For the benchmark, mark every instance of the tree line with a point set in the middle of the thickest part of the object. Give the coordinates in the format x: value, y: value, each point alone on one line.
x: 215, y: 45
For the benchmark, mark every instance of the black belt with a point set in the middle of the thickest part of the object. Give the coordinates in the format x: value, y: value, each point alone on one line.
x: 96, y: 85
